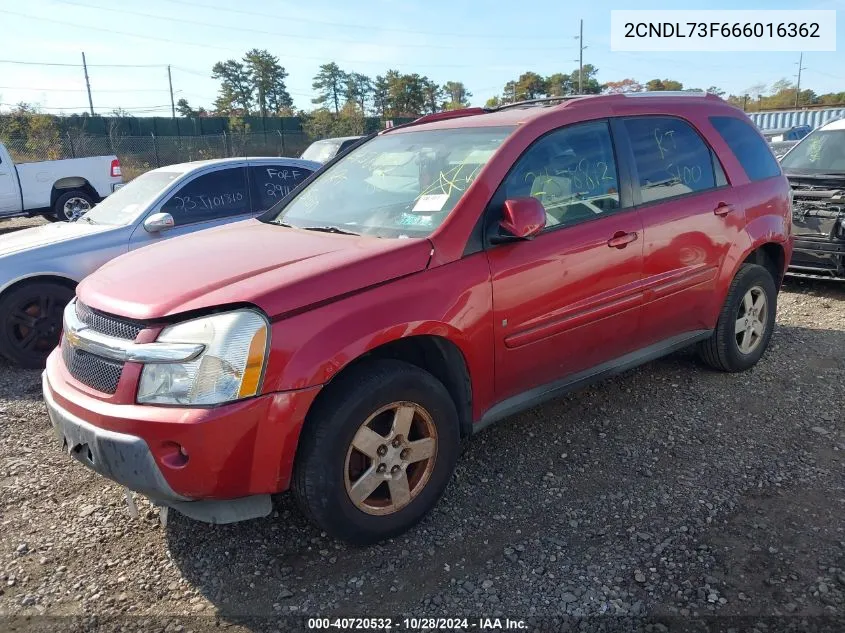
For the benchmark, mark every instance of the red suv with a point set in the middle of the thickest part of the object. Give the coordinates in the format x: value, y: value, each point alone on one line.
x: 441, y: 276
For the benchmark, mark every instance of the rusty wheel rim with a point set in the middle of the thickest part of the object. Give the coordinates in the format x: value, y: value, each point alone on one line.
x: 391, y: 458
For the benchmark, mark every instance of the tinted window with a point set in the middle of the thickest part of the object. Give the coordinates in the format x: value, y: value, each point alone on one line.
x: 670, y: 157
x: 271, y: 183
x: 572, y: 172
x: 751, y: 151
x: 321, y: 151
x: 218, y: 194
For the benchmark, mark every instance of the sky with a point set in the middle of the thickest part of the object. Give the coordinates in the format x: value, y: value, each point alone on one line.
x: 481, y: 43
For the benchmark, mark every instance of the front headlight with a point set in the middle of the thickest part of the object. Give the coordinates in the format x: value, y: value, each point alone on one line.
x: 230, y: 368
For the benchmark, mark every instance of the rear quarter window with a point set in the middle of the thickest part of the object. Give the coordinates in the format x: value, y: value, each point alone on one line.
x: 750, y: 149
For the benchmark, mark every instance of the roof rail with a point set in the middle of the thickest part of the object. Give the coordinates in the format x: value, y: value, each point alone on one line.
x: 541, y: 100
x: 439, y: 116
x: 670, y: 93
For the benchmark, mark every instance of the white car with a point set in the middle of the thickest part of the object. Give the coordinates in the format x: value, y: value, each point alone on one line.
x: 56, y: 189
x: 40, y: 266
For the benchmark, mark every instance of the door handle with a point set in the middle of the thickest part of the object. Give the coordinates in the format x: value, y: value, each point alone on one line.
x: 621, y: 239
x: 723, y: 209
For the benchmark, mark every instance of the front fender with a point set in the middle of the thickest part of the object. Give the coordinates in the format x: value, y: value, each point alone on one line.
x: 453, y: 302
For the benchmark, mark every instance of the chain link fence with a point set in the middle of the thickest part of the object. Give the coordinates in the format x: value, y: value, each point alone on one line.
x: 138, y: 154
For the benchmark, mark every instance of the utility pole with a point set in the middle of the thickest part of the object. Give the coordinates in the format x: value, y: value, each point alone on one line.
x: 170, y: 82
x: 798, y: 85
x: 580, y: 59
x: 87, y: 83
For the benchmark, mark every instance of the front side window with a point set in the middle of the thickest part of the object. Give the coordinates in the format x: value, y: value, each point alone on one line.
x: 750, y: 150
x: 215, y: 195
x: 820, y: 152
x: 271, y: 183
x: 670, y: 157
x: 572, y: 171
x: 400, y: 184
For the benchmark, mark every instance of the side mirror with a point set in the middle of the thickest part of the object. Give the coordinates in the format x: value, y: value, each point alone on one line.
x: 158, y: 222
x: 522, y: 219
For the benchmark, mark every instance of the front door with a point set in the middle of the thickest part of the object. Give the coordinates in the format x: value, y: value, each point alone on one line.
x: 690, y: 220
x: 569, y: 299
x: 210, y: 199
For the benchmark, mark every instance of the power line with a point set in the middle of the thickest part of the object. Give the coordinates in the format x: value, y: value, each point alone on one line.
x: 88, y: 27
x: 28, y: 63
x: 85, y: 107
x: 78, y: 89
x: 368, y: 27
x: 230, y: 28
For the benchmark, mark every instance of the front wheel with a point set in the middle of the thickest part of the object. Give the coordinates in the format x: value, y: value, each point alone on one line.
x: 746, y: 322
x: 377, y: 451
x: 31, y: 322
x: 71, y: 206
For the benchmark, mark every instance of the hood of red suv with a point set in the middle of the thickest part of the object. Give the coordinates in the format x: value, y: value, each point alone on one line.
x: 276, y: 268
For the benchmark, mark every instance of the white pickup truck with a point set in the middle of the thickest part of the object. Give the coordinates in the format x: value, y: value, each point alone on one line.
x: 57, y: 189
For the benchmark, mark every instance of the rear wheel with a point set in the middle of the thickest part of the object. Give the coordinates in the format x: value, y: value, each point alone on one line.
x: 71, y: 206
x: 746, y: 322
x: 377, y: 451
x: 31, y: 322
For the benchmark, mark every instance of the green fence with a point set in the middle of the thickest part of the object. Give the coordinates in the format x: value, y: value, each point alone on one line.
x: 191, y: 126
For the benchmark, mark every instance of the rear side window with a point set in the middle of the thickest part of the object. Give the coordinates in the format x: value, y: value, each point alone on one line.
x: 670, y: 157
x: 271, y: 183
x: 750, y: 150
x: 212, y: 196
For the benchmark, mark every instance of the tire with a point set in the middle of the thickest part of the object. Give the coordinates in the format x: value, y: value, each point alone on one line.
x: 31, y: 322
x: 70, y: 205
x: 326, y: 462
x: 724, y: 349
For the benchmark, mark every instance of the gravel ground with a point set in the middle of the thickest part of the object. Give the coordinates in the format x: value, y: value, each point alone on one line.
x: 7, y: 226
x: 667, y: 494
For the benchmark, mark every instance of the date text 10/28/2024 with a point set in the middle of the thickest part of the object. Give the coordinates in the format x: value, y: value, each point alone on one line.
x: 413, y: 624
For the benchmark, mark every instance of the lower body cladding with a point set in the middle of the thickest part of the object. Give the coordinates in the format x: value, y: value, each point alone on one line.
x: 191, y: 465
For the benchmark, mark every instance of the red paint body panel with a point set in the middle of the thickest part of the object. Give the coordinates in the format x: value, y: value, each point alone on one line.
x: 236, y: 450
x: 521, y: 314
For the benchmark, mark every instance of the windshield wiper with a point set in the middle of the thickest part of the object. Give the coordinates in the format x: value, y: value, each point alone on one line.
x: 328, y: 229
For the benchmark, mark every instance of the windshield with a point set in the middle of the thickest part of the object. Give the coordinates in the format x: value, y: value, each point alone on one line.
x: 321, y: 151
x: 397, y: 185
x: 127, y: 203
x: 821, y: 152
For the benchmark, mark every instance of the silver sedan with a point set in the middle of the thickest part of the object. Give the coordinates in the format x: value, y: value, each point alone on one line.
x: 40, y: 266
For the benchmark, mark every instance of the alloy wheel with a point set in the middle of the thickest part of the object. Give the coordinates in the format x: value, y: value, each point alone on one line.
x: 34, y: 324
x: 75, y: 207
x: 391, y: 458
x: 751, y: 320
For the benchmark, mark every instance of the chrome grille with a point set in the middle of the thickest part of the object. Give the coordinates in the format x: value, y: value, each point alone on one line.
x: 106, y: 324
x: 92, y: 370
x: 99, y: 373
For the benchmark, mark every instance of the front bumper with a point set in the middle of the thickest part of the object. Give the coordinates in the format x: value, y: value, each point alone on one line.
x: 235, y: 455
x: 818, y: 257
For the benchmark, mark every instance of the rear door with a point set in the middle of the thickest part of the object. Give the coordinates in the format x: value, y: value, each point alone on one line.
x: 569, y: 299
x: 690, y: 219
x: 209, y: 199
x: 270, y: 182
